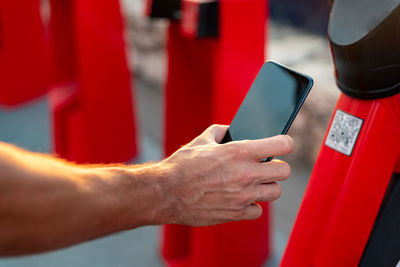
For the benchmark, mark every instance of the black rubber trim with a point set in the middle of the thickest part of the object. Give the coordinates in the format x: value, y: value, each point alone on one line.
x: 375, y: 94
x: 383, y: 247
x: 208, y: 20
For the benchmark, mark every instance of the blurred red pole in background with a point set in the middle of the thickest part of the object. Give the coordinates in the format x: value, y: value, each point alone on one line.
x: 91, y: 100
x: 207, y: 80
x: 23, y: 60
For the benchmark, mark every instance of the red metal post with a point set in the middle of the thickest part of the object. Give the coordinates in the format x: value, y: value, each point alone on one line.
x: 345, y: 192
x: 92, y: 98
x: 207, y: 80
x: 23, y: 58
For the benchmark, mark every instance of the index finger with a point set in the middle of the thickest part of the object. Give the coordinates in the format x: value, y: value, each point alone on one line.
x: 269, y: 147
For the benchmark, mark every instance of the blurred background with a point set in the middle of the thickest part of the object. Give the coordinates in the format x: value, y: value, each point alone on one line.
x: 296, y: 38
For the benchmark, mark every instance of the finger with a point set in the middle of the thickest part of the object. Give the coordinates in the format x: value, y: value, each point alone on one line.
x: 275, y: 170
x: 252, y: 212
x: 268, y: 147
x: 268, y: 192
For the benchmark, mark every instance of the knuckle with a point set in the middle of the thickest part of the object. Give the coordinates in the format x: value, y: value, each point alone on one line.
x: 229, y: 149
x: 246, y: 175
x: 278, y: 170
x: 285, y: 170
x: 235, y: 150
x: 217, y: 126
x: 276, y: 191
x: 211, y: 128
x: 246, y: 199
x: 241, y: 149
x: 230, y: 202
x: 256, y: 212
x: 238, y: 214
x: 287, y: 144
x: 238, y: 202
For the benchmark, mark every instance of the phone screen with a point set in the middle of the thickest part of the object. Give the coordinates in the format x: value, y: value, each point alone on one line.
x: 271, y: 103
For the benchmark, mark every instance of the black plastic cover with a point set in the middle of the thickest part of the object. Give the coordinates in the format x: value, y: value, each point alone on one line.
x: 383, y: 248
x: 365, y: 41
x: 169, y: 9
x: 208, y: 19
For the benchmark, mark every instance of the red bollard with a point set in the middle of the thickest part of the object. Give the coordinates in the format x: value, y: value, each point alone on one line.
x: 23, y: 59
x: 91, y: 100
x: 349, y: 214
x: 209, y: 73
x: 344, y: 194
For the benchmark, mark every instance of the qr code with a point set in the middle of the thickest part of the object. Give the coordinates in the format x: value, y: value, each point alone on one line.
x: 343, y: 133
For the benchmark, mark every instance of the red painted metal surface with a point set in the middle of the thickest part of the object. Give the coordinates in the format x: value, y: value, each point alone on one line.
x: 207, y: 80
x: 91, y: 98
x: 344, y: 194
x: 23, y: 59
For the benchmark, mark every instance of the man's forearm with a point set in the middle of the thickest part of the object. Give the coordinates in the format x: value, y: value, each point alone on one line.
x: 46, y: 203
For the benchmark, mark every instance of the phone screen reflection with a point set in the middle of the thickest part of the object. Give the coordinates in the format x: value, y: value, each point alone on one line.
x: 269, y: 105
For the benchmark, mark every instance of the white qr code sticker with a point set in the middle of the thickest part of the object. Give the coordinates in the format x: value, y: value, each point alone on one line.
x: 343, y: 133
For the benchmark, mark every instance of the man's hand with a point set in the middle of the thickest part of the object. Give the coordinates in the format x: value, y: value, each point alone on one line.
x: 47, y: 203
x: 209, y: 183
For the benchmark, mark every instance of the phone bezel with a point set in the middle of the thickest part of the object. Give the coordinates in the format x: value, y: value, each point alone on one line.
x: 303, y: 96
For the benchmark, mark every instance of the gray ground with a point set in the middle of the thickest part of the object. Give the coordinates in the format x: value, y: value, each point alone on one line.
x: 29, y: 127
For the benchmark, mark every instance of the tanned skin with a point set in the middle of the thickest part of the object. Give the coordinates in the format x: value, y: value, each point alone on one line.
x: 47, y: 203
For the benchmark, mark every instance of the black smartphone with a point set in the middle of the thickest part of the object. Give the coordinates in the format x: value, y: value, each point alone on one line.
x: 271, y: 104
